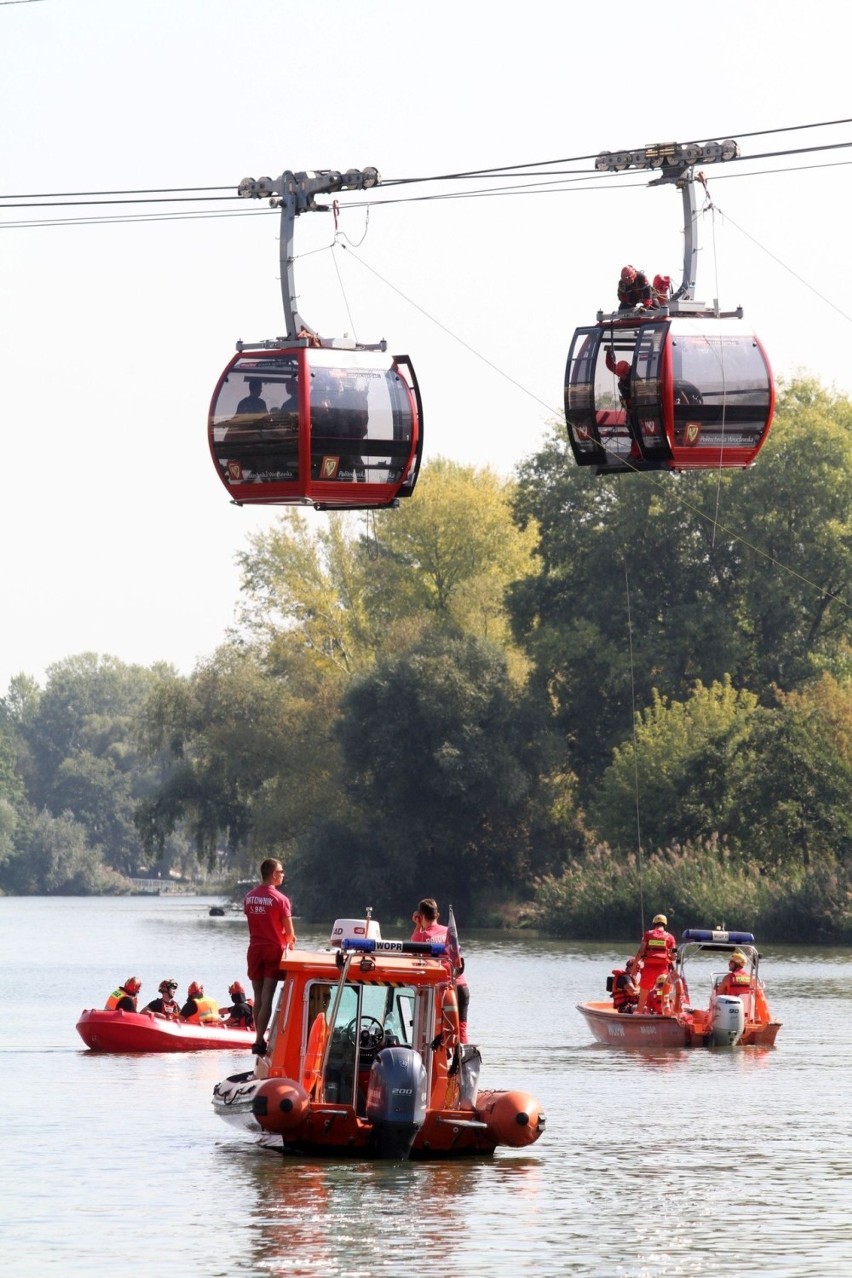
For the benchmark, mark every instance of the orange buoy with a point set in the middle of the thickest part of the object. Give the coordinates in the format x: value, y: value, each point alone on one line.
x: 514, y: 1118
x: 281, y: 1105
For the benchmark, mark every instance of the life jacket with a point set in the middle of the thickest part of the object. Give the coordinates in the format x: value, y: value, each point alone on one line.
x: 735, y: 984
x: 656, y: 947
x: 206, y: 1010
x: 115, y: 998
x: 654, y: 1005
x: 620, y: 994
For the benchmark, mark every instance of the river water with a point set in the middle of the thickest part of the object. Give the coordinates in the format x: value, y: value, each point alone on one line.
x: 676, y: 1163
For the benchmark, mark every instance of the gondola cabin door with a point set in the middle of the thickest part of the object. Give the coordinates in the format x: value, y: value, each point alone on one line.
x: 330, y: 428
x: 667, y: 393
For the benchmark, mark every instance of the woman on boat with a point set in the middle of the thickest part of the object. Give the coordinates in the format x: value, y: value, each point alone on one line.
x: 736, y: 980
x: 165, y: 1005
x: 427, y: 928
x: 124, y: 998
x: 655, y: 954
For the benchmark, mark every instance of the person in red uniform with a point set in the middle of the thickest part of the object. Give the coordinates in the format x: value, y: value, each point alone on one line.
x: 124, y: 998
x: 656, y: 953
x: 165, y: 1004
x: 662, y: 287
x: 654, y: 1005
x: 736, y: 980
x: 427, y: 928
x: 625, y: 991
x: 270, y: 925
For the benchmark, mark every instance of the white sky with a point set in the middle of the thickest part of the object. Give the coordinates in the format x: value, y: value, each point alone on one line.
x: 118, y: 537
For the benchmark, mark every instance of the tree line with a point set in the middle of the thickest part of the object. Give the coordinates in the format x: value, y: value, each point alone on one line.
x: 544, y: 699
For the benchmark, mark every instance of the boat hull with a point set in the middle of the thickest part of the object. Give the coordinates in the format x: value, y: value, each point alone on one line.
x: 276, y: 1109
x: 104, y: 1031
x: 631, y: 1030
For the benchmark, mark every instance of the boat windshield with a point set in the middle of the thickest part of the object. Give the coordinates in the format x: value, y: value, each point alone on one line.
x: 367, y: 1018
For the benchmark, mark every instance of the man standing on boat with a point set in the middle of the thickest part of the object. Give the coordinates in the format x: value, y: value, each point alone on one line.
x: 427, y: 928
x: 656, y: 953
x: 270, y: 925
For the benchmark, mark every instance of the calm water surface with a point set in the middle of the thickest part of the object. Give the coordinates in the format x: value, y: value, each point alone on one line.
x: 682, y: 1163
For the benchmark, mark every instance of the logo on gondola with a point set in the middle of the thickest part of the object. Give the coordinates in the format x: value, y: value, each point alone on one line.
x: 235, y: 471
x: 692, y: 433
x: 329, y: 467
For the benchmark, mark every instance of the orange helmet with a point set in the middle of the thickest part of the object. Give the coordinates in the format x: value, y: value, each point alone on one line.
x: 236, y: 988
x: 133, y: 985
x: 194, y: 990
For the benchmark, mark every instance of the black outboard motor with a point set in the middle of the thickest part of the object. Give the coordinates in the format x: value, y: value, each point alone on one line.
x: 396, y: 1100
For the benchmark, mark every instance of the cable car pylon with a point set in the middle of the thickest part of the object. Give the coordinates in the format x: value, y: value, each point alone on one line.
x: 347, y: 431
x: 668, y: 383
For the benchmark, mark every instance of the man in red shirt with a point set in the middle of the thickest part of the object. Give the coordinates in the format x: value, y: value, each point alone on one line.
x: 271, y: 931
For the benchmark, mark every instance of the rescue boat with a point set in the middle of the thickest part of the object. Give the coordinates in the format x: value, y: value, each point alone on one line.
x: 364, y: 1059
x: 117, y: 1031
x: 726, y: 1021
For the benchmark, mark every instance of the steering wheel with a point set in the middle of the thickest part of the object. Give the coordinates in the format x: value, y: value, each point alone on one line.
x: 372, y: 1033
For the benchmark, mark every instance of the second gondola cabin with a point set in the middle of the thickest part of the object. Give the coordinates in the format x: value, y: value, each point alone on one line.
x: 329, y: 428
x: 652, y: 391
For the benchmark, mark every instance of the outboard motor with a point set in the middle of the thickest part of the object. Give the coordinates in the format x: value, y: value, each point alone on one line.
x: 396, y: 1100
x: 728, y: 1021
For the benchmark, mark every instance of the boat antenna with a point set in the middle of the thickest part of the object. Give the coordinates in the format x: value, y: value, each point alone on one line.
x: 639, y: 863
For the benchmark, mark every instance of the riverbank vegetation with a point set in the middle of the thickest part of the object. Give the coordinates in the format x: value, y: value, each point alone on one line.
x: 550, y: 700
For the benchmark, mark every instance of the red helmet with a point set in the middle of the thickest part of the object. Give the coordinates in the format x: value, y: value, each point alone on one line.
x: 628, y: 272
x: 132, y: 985
x: 167, y: 987
x: 662, y: 283
x: 194, y: 990
x: 236, y: 988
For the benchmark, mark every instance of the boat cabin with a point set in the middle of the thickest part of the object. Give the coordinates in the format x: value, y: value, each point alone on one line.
x: 331, y: 428
x: 654, y: 391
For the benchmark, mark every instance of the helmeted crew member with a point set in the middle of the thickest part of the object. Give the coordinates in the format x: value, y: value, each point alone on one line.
x: 654, y: 1005
x: 124, y: 998
x: 662, y: 286
x: 197, y: 1009
x: 625, y: 991
x: 622, y: 370
x: 240, y: 1012
x: 634, y: 290
x: 736, y: 980
x: 656, y: 952
x: 427, y: 928
x: 165, y: 1004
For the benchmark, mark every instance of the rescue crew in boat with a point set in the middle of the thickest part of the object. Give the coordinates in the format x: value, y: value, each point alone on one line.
x: 625, y: 991
x: 165, y: 1005
x: 124, y: 998
x: 654, y: 1005
x: 736, y: 980
x: 427, y: 928
x: 655, y: 954
x: 199, y: 1010
x: 240, y: 1012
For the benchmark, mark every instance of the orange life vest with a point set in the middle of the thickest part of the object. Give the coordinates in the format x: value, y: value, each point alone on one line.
x: 620, y: 993
x: 115, y: 998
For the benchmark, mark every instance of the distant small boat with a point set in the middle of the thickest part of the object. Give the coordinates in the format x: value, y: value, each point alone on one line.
x: 742, y: 1021
x: 115, y: 1031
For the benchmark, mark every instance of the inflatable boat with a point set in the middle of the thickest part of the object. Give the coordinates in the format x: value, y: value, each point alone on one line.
x: 150, y: 1032
x: 364, y: 1059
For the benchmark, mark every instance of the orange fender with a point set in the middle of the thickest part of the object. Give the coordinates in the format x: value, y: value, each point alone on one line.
x: 281, y: 1105
x: 513, y: 1118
